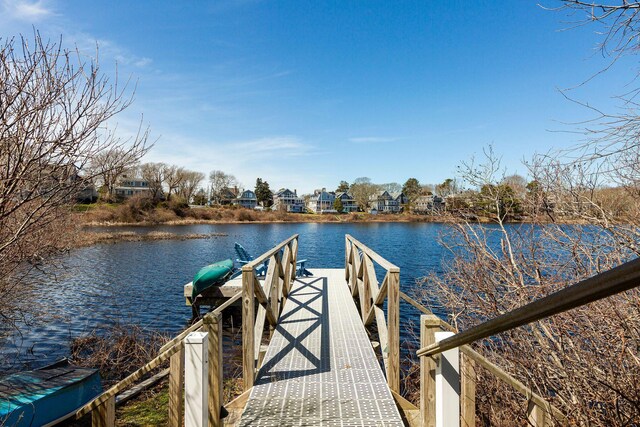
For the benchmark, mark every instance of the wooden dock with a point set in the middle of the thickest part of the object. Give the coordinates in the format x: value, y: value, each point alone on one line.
x: 320, y: 367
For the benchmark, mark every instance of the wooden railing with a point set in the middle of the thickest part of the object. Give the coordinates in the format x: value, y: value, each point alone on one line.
x: 360, y: 274
x: 433, y: 350
x: 270, y: 298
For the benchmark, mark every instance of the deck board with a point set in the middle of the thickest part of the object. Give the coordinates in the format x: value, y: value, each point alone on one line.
x: 320, y: 368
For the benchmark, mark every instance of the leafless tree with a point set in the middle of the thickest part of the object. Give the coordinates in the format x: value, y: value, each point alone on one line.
x: 173, y: 176
x: 109, y: 166
x: 585, y: 361
x: 362, y: 189
x: 53, y: 110
x: 154, y: 174
x: 190, y: 182
x: 220, y: 181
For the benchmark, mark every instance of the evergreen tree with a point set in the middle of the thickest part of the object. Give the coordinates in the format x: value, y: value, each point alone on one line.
x: 263, y: 193
x: 337, y: 205
x: 343, y: 187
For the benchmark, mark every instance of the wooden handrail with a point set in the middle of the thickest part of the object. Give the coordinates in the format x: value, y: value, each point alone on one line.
x: 611, y: 282
x: 270, y: 297
x: 361, y: 277
x: 487, y: 364
x: 373, y: 255
x: 265, y: 256
x: 122, y: 385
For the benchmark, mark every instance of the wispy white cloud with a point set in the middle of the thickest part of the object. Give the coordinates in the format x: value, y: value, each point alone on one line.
x: 372, y: 139
x: 31, y: 11
x: 281, y: 146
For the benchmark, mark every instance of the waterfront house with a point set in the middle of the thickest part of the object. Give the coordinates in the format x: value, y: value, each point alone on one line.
x: 384, y: 202
x: 348, y: 202
x: 246, y: 199
x: 429, y: 204
x: 129, y: 187
x: 228, y: 196
x: 321, y: 202
x: 288, y: 200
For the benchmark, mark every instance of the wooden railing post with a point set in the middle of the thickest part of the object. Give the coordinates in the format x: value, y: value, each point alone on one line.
x: 248, y: 320
x: 176, y: 389
x: 105, y: 414
x: 346, y: 258
x: 536, y: 415
x: 429, y: 324
x: 365, y: 298
x: 393, y: 323
x: 468, y: 389
x: 294, y: 259
x: 213, y: 325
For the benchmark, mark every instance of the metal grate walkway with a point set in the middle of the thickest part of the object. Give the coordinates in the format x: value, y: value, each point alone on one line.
x: 320, y: 368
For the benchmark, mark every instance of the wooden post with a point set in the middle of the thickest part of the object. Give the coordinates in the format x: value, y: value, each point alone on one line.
x: 346, y: 258
x: 393, y: 323
x: 214, y: 328
x: 365, y: 298
x: 429, y: 324
x: 536, y: 415
x: 447, y: 385
x: 105, y: 414
x: 294, y: 259
x: 176, y: 389
x: 468, y: 387
x: 248, y: 320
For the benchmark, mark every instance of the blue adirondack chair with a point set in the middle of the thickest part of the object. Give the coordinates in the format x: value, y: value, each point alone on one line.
x: 244, y: 258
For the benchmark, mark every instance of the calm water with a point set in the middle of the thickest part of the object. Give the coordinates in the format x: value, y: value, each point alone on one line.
x: 141, y: 282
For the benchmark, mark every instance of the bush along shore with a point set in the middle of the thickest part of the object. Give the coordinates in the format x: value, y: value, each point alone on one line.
x: 143, y: 211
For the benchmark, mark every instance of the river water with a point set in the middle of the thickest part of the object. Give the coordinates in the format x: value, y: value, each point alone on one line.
x: 142, y: 282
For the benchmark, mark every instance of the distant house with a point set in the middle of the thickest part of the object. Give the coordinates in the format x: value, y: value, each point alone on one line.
x: 246, y: 199
x: 385, y: 202
x: 87, y: 194
x: 430, y: 204
x: 321, y: 202
x: 348, y: 202
x: 227, y: 196
x: 128, y: 187
x: 288, y: 200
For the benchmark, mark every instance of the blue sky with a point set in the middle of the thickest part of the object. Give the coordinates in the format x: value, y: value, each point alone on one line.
x: 307, y: 93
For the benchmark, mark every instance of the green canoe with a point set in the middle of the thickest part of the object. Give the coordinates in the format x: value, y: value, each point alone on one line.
x: 211, y: 275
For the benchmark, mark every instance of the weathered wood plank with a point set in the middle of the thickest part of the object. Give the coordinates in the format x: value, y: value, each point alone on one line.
x: 176, y: 389
x: 382, y: 292
x: 383, y: 336
x: 468, y: 392
x: 374, y: 256
x: 429, y: 324
x: 393, y: 322
x: 248, y: 322
x: 214, y: 328
x: 365, y: 300
x: 105, y: 414
x: 265, y: 256
x: 125, y: 383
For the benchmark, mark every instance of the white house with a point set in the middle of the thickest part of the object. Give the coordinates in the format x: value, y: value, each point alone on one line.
x: 128, y: 187
x: 321, y: 202
x: 288, y: 200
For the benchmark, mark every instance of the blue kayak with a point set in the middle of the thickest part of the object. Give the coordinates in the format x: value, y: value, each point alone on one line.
x: 46, y: 395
